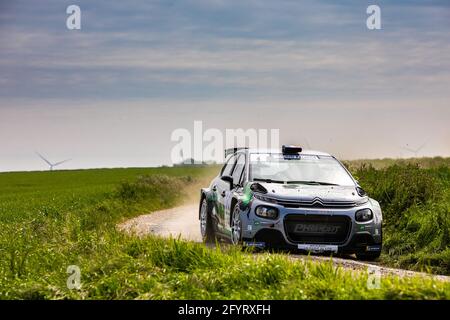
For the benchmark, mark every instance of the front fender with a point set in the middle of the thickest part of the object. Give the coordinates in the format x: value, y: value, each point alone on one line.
x: 205, y: 193
x: 376, y: 210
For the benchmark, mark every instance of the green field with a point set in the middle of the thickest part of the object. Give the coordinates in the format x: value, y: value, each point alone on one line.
x: 50, y: 220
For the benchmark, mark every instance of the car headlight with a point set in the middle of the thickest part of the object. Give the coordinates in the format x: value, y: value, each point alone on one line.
x: 364, y: 215
x: 261, y: 197
x: 266, y: 212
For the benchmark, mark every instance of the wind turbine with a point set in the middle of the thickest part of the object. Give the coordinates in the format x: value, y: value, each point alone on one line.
x: 414, y: 151
x: 52, y: 165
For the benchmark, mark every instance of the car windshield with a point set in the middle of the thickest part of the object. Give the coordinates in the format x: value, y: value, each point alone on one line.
x: 298, y: 169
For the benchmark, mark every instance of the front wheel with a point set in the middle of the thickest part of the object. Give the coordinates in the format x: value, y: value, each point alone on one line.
x: 206, y: 224
x: 236, y: 226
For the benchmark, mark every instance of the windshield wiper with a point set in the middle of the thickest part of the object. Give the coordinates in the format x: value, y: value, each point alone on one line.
x: 313, y: 182
x: 269, y: 180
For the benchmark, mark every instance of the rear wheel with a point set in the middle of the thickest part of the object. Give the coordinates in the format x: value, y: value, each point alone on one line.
x: 236, y: 226
x: 368, y: 256
x: 206, y: 223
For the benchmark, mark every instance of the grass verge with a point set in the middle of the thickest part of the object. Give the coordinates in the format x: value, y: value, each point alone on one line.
x: 55, y: 219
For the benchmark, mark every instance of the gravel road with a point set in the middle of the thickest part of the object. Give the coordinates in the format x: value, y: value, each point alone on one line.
x: 183, y: 222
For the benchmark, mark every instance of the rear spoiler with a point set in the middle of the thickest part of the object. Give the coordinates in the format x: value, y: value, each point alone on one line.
x: 233, y: 150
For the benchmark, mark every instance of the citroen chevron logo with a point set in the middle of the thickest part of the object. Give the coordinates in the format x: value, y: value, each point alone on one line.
x: 317, y: 201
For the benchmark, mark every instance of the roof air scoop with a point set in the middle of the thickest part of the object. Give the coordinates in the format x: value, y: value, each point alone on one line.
x: 290, y: 149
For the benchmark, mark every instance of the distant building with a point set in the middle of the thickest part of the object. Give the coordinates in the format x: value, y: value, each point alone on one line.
x: 191, y: 162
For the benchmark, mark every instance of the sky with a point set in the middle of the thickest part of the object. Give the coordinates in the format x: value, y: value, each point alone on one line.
x: 112, y: 93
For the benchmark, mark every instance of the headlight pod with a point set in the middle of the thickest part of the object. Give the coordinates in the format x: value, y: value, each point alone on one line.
x: 266, y: 212
x: 363, y: 215
x: 261, y: 197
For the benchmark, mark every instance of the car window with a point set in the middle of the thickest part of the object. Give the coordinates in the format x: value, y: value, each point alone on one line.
x: 238, y: 169
x: 299, y: 168
x: 228, y: 167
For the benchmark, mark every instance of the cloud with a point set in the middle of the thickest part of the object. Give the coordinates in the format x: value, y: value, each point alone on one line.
x: 198, y: 47
x: 277, y: 67
x: 138, y: 69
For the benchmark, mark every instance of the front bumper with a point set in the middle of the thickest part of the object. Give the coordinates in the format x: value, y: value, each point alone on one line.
x: 313, y: 229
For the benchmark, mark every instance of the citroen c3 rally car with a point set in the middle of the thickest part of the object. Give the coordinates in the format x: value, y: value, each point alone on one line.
x: 290, y: 198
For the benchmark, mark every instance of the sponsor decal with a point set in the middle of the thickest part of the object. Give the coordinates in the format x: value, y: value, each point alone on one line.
x: 316, y: 228
x: 365, y: 227
x: 255, y: 244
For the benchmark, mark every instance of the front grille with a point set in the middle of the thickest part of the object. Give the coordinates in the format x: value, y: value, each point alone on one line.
x: 317, y: 229
x: 314, y: 203
x: 317, y: 203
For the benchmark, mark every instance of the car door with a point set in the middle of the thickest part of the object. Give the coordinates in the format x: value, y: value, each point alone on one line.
x: 222, y: 191
x: 237, y: 174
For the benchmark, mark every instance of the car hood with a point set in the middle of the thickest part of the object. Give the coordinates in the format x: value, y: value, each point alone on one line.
x: 309, y: 193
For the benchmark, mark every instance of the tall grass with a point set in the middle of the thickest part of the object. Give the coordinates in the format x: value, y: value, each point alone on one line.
x: 416, y: 211
x: 49, y: 221
x: 150, y: 268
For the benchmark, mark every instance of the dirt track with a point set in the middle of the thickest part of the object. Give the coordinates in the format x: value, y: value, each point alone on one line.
x: 183, y: 222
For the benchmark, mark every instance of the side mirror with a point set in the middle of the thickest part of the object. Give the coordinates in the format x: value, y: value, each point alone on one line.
x: 228, y: 179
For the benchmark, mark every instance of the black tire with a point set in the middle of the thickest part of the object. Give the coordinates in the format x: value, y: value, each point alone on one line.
x: 368, y: 256
x: 208, y: 234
